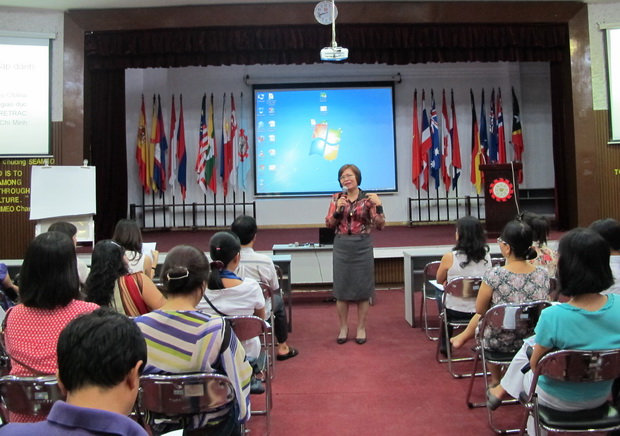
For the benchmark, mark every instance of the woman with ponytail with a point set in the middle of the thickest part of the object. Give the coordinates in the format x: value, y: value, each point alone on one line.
x: 227, y: 293
x: 516, y: 282
x: 181, y: 339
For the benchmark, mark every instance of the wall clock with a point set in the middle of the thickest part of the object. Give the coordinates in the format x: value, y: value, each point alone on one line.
x: 323, y: 12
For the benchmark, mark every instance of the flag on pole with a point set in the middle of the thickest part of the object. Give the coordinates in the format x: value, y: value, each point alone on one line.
x: 203, y: 148
x: 476, y: 152
x: 150, y: 158
x: 234, y: 139
x: 416, y: 145
x: 210, y: 172
x: 161, y: 148
x: 181, y: 154
x: 447, y: 143
x: 227, y: 150
x: 142, y: 150
x: 517, y: 133
x: 435, y: 156
x: 493, y: 135
x: 426, y: 143
x: 501, y: 136
x: 456, y: 146
x: 244, y: 153
x: 484, y: 134
x: 172, y: 159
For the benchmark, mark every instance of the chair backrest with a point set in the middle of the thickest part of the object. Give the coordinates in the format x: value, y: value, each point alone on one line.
x: 580, y: 365
x: 517, y: 320
x: 498, y: 261
x: 267, y: 292
x: 430, y: 270
x: 180, y: 394
x: 247, y: 326
x: 29, y: 395
x: 463, y: 287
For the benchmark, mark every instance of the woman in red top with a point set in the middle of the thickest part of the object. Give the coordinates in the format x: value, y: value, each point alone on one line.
x: 352, y: 213
x: 49, y: 288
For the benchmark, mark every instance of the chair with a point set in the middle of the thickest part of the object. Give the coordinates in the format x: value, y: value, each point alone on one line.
x: 174, y: 397
x: 428, y: 293
x: 498, y: 261
x: 271, y: 338
x: 462, y: 287
x: 32, y: 396
x: 516, y: 322
x: 573, y: 366
x: 248, y: 327
x: 288, y: 298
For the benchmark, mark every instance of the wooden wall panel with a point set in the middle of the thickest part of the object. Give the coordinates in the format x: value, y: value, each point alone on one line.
x: 17, y: 229
x: 608, y: 168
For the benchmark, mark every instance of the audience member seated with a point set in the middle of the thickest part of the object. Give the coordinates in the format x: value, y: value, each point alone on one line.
x: 49, y: 288
x: 10, y: 289
x: 110, y: 284
x: 469, y: 258
x: 609, y: 229
x: 227, y: 293
x: 261, y: 268
x: 589, y: 321
x: 516, y: 282
x: 128, y: 235
x: 100, y: 357
x: 545, y: 256
x: 181, y: 339
x: 71, y: 231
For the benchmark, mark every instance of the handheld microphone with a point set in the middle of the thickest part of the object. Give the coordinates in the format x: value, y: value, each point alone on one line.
x: 344, y: 192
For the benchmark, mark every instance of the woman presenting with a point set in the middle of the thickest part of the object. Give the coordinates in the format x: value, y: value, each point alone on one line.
x: 352, y: 213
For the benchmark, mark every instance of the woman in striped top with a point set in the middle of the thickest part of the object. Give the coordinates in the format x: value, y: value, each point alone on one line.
x: 182, y: 340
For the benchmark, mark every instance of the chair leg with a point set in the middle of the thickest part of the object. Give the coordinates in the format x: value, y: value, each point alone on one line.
x: 471, y: 382
x: 424, y: 315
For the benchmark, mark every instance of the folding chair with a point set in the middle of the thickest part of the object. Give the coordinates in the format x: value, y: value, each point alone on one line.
x: 428, y: 294
x: 498, y: 261
x: 271, y: 337
x: 515, y: 322
x: 32, y: 396
x: 288, y: 298
x: 175, y: 398
x: 248, y: 327
x: 573, y: 366
x: 462, y: 287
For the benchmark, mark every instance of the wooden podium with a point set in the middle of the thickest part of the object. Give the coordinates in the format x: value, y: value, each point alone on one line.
x: 501, y: 188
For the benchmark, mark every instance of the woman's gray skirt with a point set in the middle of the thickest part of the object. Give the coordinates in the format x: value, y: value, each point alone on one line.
x: 354, y: 267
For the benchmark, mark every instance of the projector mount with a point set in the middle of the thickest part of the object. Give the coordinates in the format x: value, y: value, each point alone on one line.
x: 334, y: 53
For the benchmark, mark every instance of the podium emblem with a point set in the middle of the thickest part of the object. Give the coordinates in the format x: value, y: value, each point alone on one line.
x: 501, y: 190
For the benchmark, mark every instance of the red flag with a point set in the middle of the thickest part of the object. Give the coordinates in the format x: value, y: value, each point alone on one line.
x: 501, y: 136
x: 517, y: 134
x: 427, y: 143
x: 142, y: 150
x: 416, y: 148
x: 446, y: 162
x: 456, y: 146
x: 476, y: 150
x: 181, y: 155
x: 227, y: 150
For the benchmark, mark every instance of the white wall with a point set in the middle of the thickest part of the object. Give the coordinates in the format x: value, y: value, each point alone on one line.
x: 531, y: 83
x: 41, y: 21
x: 600, y: 13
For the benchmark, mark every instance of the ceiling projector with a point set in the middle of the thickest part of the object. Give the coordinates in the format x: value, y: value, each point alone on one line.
x: 334, y: 54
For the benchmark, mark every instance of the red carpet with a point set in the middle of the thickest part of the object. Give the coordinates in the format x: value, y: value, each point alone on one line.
x: 392, y: 385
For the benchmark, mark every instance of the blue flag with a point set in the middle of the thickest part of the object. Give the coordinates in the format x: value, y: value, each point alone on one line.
x: 435, y: 152
x: 484, y: 133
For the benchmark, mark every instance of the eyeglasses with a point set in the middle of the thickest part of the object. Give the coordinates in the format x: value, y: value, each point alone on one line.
x: 347, y: 176
x: 501, y: 241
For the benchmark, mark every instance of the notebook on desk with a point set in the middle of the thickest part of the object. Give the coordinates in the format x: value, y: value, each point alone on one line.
x: 326, y: 236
